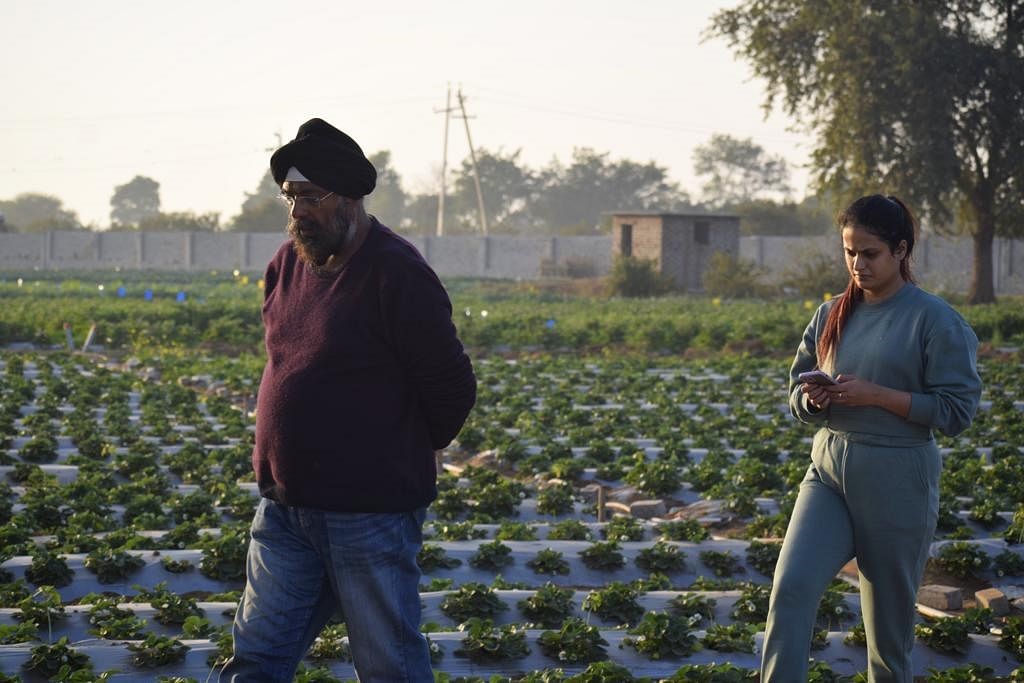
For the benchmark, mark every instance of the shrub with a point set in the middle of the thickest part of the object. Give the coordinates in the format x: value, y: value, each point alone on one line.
x: 633, y: 277
x: 731, y: 277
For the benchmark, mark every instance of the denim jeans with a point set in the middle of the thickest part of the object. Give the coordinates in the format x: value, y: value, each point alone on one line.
x: 305, y: 566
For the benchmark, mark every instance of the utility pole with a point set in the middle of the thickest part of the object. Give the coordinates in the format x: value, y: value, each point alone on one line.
x: 444, y: 160
x: 476, y: 172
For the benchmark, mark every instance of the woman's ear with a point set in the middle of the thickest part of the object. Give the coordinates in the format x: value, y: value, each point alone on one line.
x: 901, y: 250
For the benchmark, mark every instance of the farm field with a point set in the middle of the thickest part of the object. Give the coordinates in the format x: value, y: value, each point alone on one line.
x: 607, y: 515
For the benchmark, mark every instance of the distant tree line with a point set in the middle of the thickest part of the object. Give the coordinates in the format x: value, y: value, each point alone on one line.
x: 570, y: 198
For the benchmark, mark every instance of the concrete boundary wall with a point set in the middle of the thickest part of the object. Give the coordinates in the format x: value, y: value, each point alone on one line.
x: 942, y: 263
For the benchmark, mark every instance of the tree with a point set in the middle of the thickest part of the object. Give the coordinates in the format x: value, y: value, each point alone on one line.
x: 573, y: 198
x: 921, y: 99
x: 739, y: 170
x: 765, y: 217
x: 261, y: 210
x: 184, y: 221
x: 33, y: 212
x: 134, y: 201
x: 507, y: 188
x: 387, y: 201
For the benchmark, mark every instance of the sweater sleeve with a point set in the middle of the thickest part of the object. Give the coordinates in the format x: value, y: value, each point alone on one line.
x: 952, y: 387
x: 419, y: 317
x: 806, y: 359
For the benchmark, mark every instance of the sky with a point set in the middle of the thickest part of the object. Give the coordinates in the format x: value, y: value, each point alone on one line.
x: 195, y: 94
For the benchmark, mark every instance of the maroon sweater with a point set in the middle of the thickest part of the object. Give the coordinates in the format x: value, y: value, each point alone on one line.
x: 365, y: 378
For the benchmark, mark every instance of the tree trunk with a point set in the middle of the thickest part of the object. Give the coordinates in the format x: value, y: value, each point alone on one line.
x: 982, y: 281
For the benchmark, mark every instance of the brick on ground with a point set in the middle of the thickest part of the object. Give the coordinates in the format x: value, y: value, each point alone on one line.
x: 994, y: 599
x: 647, y: 509
x: 941, y: 597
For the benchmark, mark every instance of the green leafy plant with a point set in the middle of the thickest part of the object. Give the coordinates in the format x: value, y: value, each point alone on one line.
x: 683, y: 530
x: 661, y: 557
x: 171, y: 608
x: 763, y: 556
x: 972, y: 673
x: 43, y: 608
x: 576, y: 642
x: 515, y: 531
x: 48, y: 569
x: 548, y: 606
x: 556, y: 499
x: 857, y: 637
x: 752, y: 604
x: 944, y: 635
x: 660, y: 635
x: 1012, y: 638
x: 693, y: 606
x: 432, y: 557
x: 48, y: 660
x: 622, y: 528
x: 721, y: 563
x: 615, y: 602
x: 730, y: 638
x: 962, y: 559
x: 603, y: 556
x: 11, y: 634
x: 176, y: 566
x: 1008, y: 563
x: 224, y: 557
x: 111, y: 566
x: 156, y: 650
x: 485, y: 643
x: 712, y: 673
x: 492, y: 556
x: 569, y: 530
x: 472, y: 600
x: 457, y: 531
x: 109, y: 621
x: 331, y: 644
x: 548, y: 561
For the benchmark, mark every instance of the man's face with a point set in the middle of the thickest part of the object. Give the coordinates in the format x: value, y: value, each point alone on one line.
x: 318, y: 229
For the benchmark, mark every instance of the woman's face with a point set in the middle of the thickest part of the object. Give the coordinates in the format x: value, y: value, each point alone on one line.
x: 872, y: 265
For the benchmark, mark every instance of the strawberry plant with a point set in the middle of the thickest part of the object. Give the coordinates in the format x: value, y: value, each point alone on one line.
x: 833, y: 608
x: 171, y: 608
x: 548, y: 606
x: 1008, y: 563
x: 515, y: 531
x: 763, y: 556
x: 693, y: 606
x: 660, y: 635
x: 683, y: 530
x: 616, y: 602
x: 555, y: 499
x: 661, y: 557
x: 1012, y: 638
x: 330, y: 644
x: 721, y: 563
x: 48, y: 660
x: 176, y: 566
x: 569, y: 530
x: 621, y: 528
x: 944, y: 635
x: 472, y: 600
x: 962, y: 559
x: 658, y: 479
x: 485, y: 643
x: 712, y: 673
x: 156, y: 650
x: 492, y: 556
x: 42, y: 608
x: 432, y: 557
x: 112, y: 565
x: 224, y: 556
x: 603, y: 556
x: 731, y: 638
x: 856, y: 637
x: 576, y: 642
x: 107, y: 620
x: 548, y: 561
x: 752, y: 605
x: 11, y: 634
x: 972, y: 673
x: 48, y: 569
x: 457, y: 531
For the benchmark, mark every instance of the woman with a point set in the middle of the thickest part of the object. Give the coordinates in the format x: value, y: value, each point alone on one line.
x: 904, y: 362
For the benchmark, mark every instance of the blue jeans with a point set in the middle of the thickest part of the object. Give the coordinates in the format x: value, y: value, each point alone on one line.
x: 304, y: 566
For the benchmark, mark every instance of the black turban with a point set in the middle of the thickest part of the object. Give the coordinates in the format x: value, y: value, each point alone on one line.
x: 328, y: 158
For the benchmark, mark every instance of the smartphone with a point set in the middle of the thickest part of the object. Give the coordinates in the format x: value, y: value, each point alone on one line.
x: 816, y: 377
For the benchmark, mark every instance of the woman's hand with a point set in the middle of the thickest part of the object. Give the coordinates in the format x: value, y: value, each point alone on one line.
x: 816, y: 395
x: 854, y: 392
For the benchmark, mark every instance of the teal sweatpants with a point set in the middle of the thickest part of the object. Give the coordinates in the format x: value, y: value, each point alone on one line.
x: 870, y: 497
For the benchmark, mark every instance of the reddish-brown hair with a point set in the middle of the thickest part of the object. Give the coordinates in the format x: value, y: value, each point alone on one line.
x: 888, y: 219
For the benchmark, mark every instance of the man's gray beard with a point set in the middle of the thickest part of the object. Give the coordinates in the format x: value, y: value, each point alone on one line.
x: 315, y: 251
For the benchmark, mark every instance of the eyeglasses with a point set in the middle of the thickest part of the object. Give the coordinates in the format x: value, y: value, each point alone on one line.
x: 303, y: 199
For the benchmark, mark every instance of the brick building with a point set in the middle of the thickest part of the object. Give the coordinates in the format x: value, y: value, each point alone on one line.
x: 680, y: 244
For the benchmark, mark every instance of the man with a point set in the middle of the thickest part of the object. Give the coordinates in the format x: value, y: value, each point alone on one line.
x: 365, y: 379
